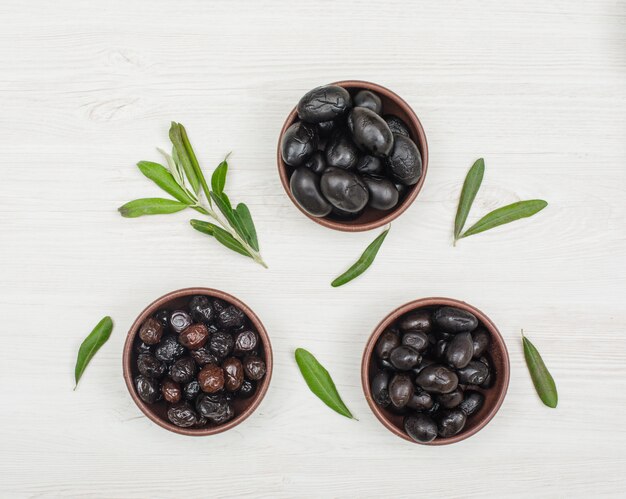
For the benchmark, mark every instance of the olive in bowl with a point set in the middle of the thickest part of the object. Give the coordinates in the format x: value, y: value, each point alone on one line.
x: 352, y: 155
x: 209, y: 369
x: 435, y: 371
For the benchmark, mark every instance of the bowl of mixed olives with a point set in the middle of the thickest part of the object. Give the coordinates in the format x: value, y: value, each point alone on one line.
x: 197, y: 361
x: 435, y: 371
x: 352, y: 155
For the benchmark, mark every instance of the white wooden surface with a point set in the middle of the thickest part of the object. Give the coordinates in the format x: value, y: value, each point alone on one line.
x: 88, y: 88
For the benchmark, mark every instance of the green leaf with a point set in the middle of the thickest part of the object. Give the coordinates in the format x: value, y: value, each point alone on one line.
x: 542, y: 379
x: 505, y: 215
x: 192, y: 159
x: 470, y: 188
x: 223, y: 203
x: 182, y: 156
x: 221, y: 235
x: 245, y: 218
x: 150, y: 206
x: 320, y: 382
x: 218, y: 179
x: 363, y: 263
x: 164, y: 179
x: 91, y: 345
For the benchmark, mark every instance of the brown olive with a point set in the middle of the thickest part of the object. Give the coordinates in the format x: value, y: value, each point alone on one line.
x: 233, y: 371
x: 194, y: 337
x: 151, y: 331
x: 171, y: 391
x: 420, y: 428
x: 460, y: 350
x: 404, y: 358
x: 481, y: 340
x: 437, y: 379
x: 417, y: 320
x: 254, y: 368
x: 400, y: 390
x: 386, y: 343
x: 416, y: 340
x: 211, y: 378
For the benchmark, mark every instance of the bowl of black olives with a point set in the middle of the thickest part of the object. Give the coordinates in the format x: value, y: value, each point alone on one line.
x: 197, y: 361
x: 352, y: 155
x: 435, y: 371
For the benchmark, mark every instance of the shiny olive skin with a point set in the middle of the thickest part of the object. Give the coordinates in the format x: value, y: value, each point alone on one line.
x: 316, y: 163
x: 460, y: 350
x: 450, y: 422
x: 420, y: 428
x: 481, y: 341
x: 182, y: 415
x: 404, y: 358
x: 179, y: 321
x: 370, y: 132
x: 420, y: 401
x: 171, y: 391
x: 380, y: 388
x: 338, y: 214
x: 425, y: 362
x: 442, y: 335
x: 440, y: 349
x: 341, y: 151
x: 400, y: 390
x: 305, y: 187
x: 233, y: 374
x: 370, y: 165
x: 475, y: 373
x: 247, y: 389
x: 455, y: 320
x: 437, y: 379
x: 472, y: 402
x: 326, y: 128
x: 344, y: 190
x: 147, y: 389
x: 151, y: 331
x: 416, y: 340
x: 383, y: 194
x: 404, y: 162
x: 150, y: 366
x: 452, y: 399
x: 183, y: 370
x: 324, y: 104
x: 369, y: 100
x: 417, y: 320
x: 396, y: 125
x: 299, y: 142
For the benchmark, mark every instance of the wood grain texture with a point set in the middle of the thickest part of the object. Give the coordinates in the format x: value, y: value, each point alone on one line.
x: 88, y: 88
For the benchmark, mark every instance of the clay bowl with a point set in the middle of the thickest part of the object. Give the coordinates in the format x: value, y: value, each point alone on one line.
x: 370, y: 218
x: 494, y: 396
x: 157, y: 412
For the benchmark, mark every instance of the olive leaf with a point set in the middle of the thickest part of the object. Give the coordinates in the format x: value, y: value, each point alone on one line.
x: 245, y: 217
x: 470, y: 188
x: 542, y: 379
x: 150, y: 206
x: 91, y: 345
x: 183, y: 157
x: 165, y: 180
x: 320, y: 382
x: 221, y: 235
x: 218, y: 179
x: 364, y: 261
x: 505, y: 215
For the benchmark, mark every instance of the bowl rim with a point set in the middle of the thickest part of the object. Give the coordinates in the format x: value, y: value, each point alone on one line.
x: 429, y: 302
x: 153, y: 307
x: 410, y: 197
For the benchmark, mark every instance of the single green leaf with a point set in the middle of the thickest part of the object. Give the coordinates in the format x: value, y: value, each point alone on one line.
x: 183, y: 157
x: 363, y: 263
x: 542, y: 379
x: 320, y: 382
x: 165, y: 180
x: 245, y: 217
x: 218, y: 179
x: 192, y: 159
x: 470, y: 188
x: 150, y: 206
x: 91, y: 345
x: 221, y: 235
x: 505, y: 215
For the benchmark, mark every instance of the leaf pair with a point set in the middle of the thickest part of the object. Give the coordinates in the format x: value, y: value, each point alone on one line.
x: 500, y: 216
x: 363, y: 263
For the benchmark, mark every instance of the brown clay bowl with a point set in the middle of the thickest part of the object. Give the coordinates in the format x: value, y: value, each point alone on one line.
x: 370, y: 218
x: 494, y: 396
x: 157, y: 412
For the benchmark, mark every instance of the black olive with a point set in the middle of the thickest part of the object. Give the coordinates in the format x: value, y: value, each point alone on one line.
x: 472, y: 402
x: 452, y: 399
x: 221, y: 344
x: 396, y: 125
x: 316, y: 163
x: 455, y: 320
x: 182, y: 415
x: 404, y: 358
x: 202, y: 357
x: 179, y: 321
x: 370, y: 132
x: 305, y: 187
x: 247, y: 389
x: 141, y: 347
x: 298, y: 143
x: 400, y: 390
x: 420, y: 428
x: 338, y: 214
x: 149, y: 366
x: 425, y: 362
x: 231, y: 317
x: 404, y: 161
x: 437, y: 379
x: 402, y: 189
x: 326, y: 128
x: 324, y: 104
x: 246, y: 342
x: 460, y: 350
x: 450, y: 423
x: 151, y: 331
x: 341, y: 151
x: 386, y: 343
x: 369, y: 100
x: 383, y: 194
x: 417, y: 320
x: 475, y: 373
x: 380, y: 388
x: 489, y: 381
x: 147, y: 389
x: 416, y: 340
x: 344, y: 190
x: 163, y: 316
x: 169, y: 349
x: 201, y: 308
x: 183, y: 370
x: 481, y: 340
x: 254, y: 368
x: 440, y: 349
x: 420, y: 401
x: 191, y: 390
x: 370, y: 165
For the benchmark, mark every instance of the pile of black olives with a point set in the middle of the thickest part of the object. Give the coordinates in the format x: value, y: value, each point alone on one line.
x: 198, y: 361
x: 433, y: 369
x: 348, y: 155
